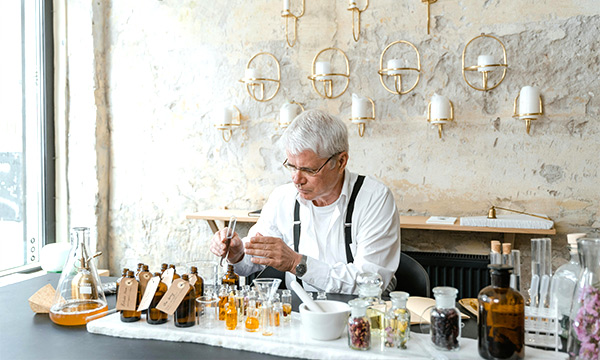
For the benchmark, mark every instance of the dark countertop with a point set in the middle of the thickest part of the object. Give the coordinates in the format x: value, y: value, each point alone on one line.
x: 26, y: 335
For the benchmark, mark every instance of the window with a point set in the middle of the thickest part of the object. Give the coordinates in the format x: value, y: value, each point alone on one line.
x: 26, y: 133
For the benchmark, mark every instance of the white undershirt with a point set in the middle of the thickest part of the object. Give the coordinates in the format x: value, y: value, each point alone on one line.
x: 322, y: 219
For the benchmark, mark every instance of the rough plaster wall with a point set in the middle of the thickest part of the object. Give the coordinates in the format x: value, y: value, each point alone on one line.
x: 169, y: 63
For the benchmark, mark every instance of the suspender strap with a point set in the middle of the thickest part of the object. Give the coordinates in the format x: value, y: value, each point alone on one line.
x: 349, y: 211
x: 297, y: 231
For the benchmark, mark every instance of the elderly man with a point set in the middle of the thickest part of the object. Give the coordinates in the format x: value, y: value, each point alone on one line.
x: 329, y: 224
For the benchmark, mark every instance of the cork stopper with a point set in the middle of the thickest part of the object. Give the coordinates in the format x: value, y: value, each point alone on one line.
x: 496, y: 246
x: 572, y: 238
x: 506, y: 248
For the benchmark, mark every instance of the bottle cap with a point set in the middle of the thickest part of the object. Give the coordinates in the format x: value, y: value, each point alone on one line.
x: 496, y: 246
x: 572, y: 238
x: 506, y: 248
x: 445, y: 296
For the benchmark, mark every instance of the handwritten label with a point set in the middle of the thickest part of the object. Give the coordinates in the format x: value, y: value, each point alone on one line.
x: 151, y: 287
x: 192, y: 279
x: 173, y: 296
x: 127, y: 296
x: 167, y: 277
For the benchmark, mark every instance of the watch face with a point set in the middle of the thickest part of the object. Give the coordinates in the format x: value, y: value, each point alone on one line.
x: 300, y: 269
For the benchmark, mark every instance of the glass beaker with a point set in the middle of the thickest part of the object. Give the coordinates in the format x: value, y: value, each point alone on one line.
x: 79, y: 294
x: 207, y: 310
x: 266, y: 288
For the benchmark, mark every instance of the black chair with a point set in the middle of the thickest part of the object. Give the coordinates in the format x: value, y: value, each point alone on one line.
x: 412, y: 277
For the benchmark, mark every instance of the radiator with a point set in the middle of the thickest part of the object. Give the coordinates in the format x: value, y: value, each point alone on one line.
x: 466, y: 272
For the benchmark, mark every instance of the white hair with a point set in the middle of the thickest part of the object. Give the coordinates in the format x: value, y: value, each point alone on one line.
x: 318, y: 131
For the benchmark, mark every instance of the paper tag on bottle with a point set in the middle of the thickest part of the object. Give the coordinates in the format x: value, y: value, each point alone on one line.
x: 192, y: 279
x: 173, y: 296
x: 145, y: 276
x: 167, y: 277
x: 127, y: 296
x: 151, y: 287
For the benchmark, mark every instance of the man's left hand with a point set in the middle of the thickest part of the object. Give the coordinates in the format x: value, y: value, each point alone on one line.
x: 273, y: 252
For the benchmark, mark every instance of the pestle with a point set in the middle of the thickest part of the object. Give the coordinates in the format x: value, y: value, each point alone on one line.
x: 299, y: 290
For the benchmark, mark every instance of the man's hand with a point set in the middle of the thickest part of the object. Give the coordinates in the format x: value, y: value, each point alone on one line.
x: 273, y: 252
x: 218, y: 246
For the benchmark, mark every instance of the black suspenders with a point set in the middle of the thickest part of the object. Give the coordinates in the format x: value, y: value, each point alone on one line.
x: 347, y: 224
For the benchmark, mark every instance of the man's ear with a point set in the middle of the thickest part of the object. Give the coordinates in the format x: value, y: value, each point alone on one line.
x: 343, y: 161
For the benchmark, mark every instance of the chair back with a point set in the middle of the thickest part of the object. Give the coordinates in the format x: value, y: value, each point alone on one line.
x: 412, y: 277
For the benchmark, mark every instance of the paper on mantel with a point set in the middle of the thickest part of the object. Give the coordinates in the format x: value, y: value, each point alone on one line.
x: 445, y: 220
x: 421, y: 306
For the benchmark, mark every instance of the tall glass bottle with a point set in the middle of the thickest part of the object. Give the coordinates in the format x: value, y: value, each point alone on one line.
x: 231, y: 319
x: 79, y: 294
x: 584, y: 336
x: 563, y: 285
x: 132, y: 315
x: 397, y: 321
x: 199, y: 284
x: 163, y: 267
x: 118, y: 282
x: 223, y: 298
x: 501, y: 322
x: 175, y: 275
x: 143, y: 277
x: 286, y: 303
x: 153, y: 315
x: 445, y: 319
x: 230, y: 277
x: 185, y: 315
x: 369, y: 289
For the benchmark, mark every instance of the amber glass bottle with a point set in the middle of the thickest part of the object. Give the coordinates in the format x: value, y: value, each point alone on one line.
x: 130, y: 315
x: 185, y: 315
x: 163, y: 267
x: 501, y: 323
x: 144, y: 274
x: 175, y: 275
x: 230, y: 277
x: 124, y: 274
x: 199, y: 285
x: 153, y: 315
x: 139, y: 269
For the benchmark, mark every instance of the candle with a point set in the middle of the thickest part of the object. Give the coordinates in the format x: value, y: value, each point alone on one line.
x: 286, y: 5
x: 226, y: 116
x: 529, y: 101
x: 361, y: 108
x: 351, y: 4
x: 287, y: 114
x: 394, y: 64
x: 323, y: 67
x: 440, y: 108
x: 483, y: 60
x: 252, y: 74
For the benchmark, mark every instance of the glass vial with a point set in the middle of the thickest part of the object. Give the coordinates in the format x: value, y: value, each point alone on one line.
x: 445, y: 319
x: 223, y: 298
x: 397, y: 321
x: 153, y: 315
x: 286, y: 303
x: 230, y: 277
x: 501, y: 322
x: 130, y: 315
x: 231, y: 319
x: 359, y: 327
x: 185, y: 315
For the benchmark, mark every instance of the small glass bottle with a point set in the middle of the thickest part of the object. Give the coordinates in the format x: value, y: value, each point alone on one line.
x: 143, y: 277
x: 286, y: 303
x: 501, y: 321
x: 321, y: 295
x: 276, y: 311
x: 230, y: 277
x: 153, y: 315
x: 359, y: 327
x: 199, y: 284
x: 223, y: 298
x: 175, y: 275
x: 163, y: 267
x: 445, y: 319
x: 252, y: 323
x: 131, y: 315
x: 118, y: 282
x: 397, y: 321
x: 185, y: 315
x: 239, y: 304
x: 369, y: 289
x: 137, y: 272
x: 231, y: 318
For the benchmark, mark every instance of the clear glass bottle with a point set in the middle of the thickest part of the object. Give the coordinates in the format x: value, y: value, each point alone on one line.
x: 132, y: 315
x: 252, y: 322
x: 239, y: 304
x: 501, y: 321
x: 584, y: 335
x: 230, y: 277
x: 359, y: 327
x: 369, y: 289
x: 231, y: 317
x: 286, y: 302
x: 185, y: 315
x: 223, y: 298
x: 321, y: 295
x: 445, y: 319
x: 276, y: 311
x: 397, y: 321
x: 153, y: 315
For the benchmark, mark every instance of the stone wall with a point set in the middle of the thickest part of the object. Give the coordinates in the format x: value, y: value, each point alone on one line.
x: 165, y: 65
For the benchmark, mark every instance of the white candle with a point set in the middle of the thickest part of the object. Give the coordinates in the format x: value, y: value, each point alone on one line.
x: 226, y: 116
x: 287, y: 113
x: 529, y: 101
x: 323, y: 67
x: 351, y: 4
x: 394, y: 64
x: 252, y: 74
x: 440, y: 108
x: 286, y: 5
x: 483, y: 60
x: 361, y: 108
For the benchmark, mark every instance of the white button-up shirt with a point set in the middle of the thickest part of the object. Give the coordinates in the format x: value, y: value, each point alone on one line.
x: 375, y: 236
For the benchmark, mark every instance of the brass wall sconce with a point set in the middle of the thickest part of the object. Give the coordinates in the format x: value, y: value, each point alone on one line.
x: 322, y: 73
x: 363, y: 109
x: 440, y: 111
x: 429, y: 2
x: 225, y: 120
x: 395, y: 68
x: 485, y: 65
x: 529, y: 107
x: 288, y: 113
x: 287, y: 14
x: 356, y: 11
x: 253, y: 78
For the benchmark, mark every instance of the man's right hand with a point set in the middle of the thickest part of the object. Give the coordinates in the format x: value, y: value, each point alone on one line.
x: 218, y: 246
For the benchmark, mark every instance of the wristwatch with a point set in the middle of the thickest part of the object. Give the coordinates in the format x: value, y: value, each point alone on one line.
x: 301, y: 267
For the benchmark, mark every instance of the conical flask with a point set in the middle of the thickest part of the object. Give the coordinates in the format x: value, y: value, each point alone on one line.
x: 79, y: 297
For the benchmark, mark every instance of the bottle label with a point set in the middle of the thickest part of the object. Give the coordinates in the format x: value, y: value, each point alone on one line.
x: 173, y: 296
x: 167, y: 277
x: 85, y: 289
x: 192, y: 279
x: 145, y: 276
x: 127, y: 296
x: 151, y: 287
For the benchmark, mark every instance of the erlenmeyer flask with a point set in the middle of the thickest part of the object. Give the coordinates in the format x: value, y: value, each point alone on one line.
x: 79, y: 297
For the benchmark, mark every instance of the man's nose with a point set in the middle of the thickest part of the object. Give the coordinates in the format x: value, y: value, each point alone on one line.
x: 298, y: 177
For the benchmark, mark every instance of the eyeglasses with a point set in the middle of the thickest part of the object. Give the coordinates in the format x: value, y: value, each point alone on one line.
x: 307, y: 171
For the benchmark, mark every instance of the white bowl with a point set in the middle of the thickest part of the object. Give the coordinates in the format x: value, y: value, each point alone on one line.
x: 53, y: 256
x: 328, y: 325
